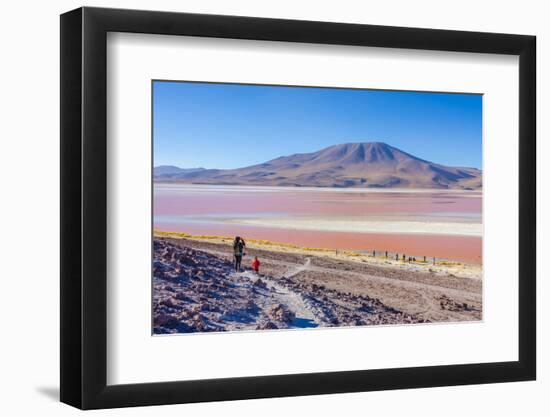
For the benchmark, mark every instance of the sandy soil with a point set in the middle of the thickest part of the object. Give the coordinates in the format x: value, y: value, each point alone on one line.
x: 196, y: 289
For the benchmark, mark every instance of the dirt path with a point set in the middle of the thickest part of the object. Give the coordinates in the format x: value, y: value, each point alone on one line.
x: 434, y: 298
x: 196, y: 289
x: 275, y: 294
x: 293, y: 269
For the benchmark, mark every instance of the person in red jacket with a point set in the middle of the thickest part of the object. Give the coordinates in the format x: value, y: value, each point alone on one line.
x: 256, y: 264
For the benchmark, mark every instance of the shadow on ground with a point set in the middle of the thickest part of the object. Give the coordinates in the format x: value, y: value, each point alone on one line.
x: 50, y: 392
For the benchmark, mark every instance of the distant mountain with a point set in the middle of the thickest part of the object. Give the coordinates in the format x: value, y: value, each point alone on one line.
x: 168, y: 171
x: 357, y: 165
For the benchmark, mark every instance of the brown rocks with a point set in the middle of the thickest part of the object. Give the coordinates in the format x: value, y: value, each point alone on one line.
x: 280, y: 313
x: 259, y: 283
x: 446, y: 303
x: 168, y: 302
x: 166, y: 320
x: 268, y: 325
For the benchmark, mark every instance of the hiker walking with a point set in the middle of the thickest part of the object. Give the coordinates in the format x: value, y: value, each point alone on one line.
x: 238, y: 251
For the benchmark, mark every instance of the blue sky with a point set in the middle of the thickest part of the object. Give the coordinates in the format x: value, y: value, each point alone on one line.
x: 235, y: 125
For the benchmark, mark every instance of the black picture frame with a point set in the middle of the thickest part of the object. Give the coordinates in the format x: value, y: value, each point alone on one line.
x: 84, y: 207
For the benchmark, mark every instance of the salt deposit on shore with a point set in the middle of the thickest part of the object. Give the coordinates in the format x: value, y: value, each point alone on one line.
x: 182, y: 187
x: 361, y: 225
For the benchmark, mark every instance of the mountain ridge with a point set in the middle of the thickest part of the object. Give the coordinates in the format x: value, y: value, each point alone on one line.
x: 346, y: 165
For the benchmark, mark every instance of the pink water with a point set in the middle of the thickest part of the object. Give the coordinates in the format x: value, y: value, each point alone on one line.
x: 206, y: 210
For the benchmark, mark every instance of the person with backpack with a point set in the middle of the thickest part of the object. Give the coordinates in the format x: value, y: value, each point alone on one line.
x: 238, y: 252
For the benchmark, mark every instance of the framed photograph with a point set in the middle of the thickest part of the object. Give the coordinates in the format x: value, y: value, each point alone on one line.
x: 258, y: 208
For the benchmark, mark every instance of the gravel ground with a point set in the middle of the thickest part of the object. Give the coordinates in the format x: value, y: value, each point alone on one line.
x: 195, y: 289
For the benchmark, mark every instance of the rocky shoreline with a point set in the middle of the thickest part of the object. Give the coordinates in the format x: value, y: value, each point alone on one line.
x: 197, y: 290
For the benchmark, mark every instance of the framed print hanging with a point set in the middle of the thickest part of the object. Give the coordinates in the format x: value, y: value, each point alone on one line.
x: 259, y: 207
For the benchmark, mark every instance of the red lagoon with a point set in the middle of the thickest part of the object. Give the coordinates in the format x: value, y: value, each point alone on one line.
x: 226, y: 210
